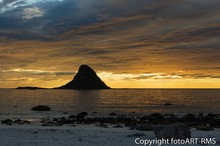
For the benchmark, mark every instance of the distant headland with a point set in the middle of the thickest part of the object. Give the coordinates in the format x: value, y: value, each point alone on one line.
x: 30, y: 88
x: 85, y: 79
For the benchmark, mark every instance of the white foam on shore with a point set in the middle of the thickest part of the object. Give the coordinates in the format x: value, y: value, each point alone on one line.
x: 35, y: 135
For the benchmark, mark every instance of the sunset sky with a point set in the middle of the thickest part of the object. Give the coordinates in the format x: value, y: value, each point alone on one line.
x: 129, y: 43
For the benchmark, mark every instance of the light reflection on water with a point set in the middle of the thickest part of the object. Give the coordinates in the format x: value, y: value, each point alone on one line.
x: 17, y: 103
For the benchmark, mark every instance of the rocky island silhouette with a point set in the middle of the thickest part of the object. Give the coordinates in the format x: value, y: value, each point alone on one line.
x: 85, y: 79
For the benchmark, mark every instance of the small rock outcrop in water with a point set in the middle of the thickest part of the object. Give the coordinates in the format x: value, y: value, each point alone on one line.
x: 41, y: 108
x: 85, y: 79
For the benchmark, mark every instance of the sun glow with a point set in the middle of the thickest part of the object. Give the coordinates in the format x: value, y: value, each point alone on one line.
x: 157, y: 80
x: 47, y: 78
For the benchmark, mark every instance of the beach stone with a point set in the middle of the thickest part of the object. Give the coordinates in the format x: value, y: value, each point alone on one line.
x: 211, y: 115
x: 102, y: 125
x: 64, y: 120
x: 131, y: 123
x: 81, y: 115
x: 84, y: 113
x: 144, y: 118
x: 123, y: 119
x: 171, y: 119
x: 177, y: 131
x: 189, y: 117
x: 91, y: 120
x: 55, y: 120
x: 112, y: 114
x: 143, y: 127
x: 72, y: 116
x: 45, y: 124
x: 68, y: 121
x: 215, y: 122
x: 108, y: 120
x: 18, y: 121
x: 117, y: 126
x: 201, y: 118
x: 41, y: 108
x: 7, y: 121
x: 204, y: 128
x: 204, y: 117
x: 27, y: 122
x: 156, y: 118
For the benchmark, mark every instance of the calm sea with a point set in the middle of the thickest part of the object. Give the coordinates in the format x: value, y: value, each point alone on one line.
x: 17, y: 103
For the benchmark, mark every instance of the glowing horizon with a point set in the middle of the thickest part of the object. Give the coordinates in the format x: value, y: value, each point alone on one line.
x: 144, y: 80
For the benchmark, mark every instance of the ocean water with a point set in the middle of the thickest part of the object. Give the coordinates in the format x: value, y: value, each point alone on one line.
x: 17, y: 103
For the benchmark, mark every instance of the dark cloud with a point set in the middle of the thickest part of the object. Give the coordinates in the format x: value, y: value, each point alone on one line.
x: 61, y: 17
x: 116, y: 36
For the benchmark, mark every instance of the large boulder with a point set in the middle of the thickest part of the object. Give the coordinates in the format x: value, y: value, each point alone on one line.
x: 85, y: 79
x: 177, y: 131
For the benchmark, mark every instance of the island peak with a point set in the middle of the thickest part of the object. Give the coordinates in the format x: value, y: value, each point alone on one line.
x: 85, y: 79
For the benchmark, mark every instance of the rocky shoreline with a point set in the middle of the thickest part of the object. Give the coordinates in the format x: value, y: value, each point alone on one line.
x: 205, y: 122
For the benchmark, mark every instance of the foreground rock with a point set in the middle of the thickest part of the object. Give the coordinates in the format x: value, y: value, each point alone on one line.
x: 143, y: 127
x: 177, y: 131
x: 41, y: 108
x: 204, y: 127
x: 85, y: 79
x: 165, y: 126
x: 18, y: 121
x: 143, y: 123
